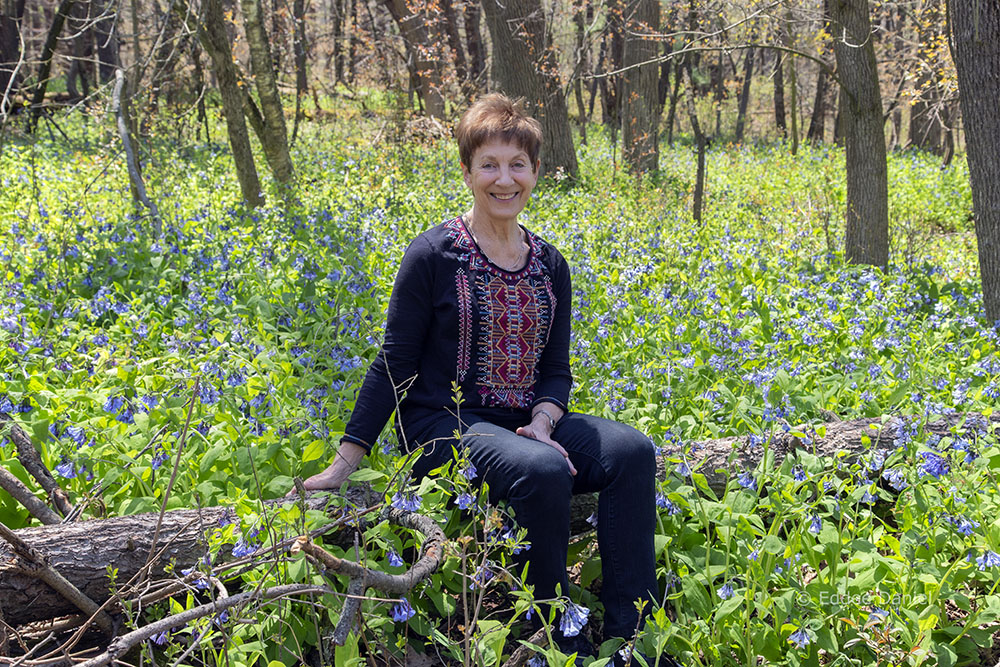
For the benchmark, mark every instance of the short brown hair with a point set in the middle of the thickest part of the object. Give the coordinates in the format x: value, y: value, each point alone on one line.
x: 497, y: 117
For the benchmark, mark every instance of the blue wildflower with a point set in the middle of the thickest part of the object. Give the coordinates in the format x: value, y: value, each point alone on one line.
x: 988, y: 559
x: 464, y: 501
x: 159, y: 456
x: 573, y: 619
x: 896, y: 478
x: 815, y: 525
x: 592, y: 519
x: 394, y: 559
x: 66, y: 469
x: 160, y: 638
x: 408, y: 501
x: 934, y: 465
x: 469, y: 471
x: 725, y: 591
x: 748, y: 482
x: 798, y: 474
x: 114, y: 404
x: 800, y: 638
x: 402, y: 611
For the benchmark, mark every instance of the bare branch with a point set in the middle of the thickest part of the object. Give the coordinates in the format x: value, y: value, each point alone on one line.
x: 23, y: 495
x: 32, y: 462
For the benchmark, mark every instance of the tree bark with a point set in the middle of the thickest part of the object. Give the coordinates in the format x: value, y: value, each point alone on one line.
x: 419, y: 31
x: 474, y: 41
x: 702, y: 143
x: 300, y: 51
x: 11, y: 51
x: 611, y: 60
x: 925, y: 121
x: 744, y: 101
x: 212, y: 34
x: 641, y: 121
x: 45, y: 66
x: 867, y: 233
x: 524, y: 65
x: 793, y: 83
x: 779, y: 94
x: 975, y: 45
x: 455, y: 42
x: 106, y: 37
x: 275, y: 139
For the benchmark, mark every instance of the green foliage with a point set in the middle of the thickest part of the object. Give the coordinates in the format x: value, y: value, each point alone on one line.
x: 744, y: 326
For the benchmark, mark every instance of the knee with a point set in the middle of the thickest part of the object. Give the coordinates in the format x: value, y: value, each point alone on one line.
x: 633, y: 452
x: 544, y: 475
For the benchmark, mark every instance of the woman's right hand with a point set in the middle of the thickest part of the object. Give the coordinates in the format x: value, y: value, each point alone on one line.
x: 345, y: 462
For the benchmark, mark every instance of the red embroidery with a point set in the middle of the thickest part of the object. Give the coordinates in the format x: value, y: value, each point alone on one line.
x: 513, y: 319
x: 464, y: 322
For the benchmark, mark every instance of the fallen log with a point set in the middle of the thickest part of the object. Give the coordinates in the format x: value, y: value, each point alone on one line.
x: 82, y: 551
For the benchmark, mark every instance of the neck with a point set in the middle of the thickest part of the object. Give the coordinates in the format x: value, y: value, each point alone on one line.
x: 501, y: 231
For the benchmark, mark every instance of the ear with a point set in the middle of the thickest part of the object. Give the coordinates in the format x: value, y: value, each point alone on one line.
x: 466, y: 176
x: 538, y: 165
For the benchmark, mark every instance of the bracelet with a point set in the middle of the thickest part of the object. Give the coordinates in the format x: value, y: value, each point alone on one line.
x: 543, y: 411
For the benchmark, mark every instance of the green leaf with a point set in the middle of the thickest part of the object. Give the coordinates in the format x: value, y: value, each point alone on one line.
x: 313, y: 451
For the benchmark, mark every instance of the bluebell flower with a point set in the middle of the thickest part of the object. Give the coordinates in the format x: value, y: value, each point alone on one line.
x: 6, y: 405
x: 77, y: 435
x: 402, y: 611
x: 243, y: 548
x: 160, y: 638
x: 114, y: 404
x: 747, y: 481
x: 592, y: 519
x: 798, y: 474
x: 725, y: 591
x: 682, y: 469
x: 800, y: 638
x: 573, y: 619
x: 868, y: 498
x: 933, y: 465
x: 469, y: 471
x: 408, y: 501
x: 464, y: 501
x: 66, y: 469
x: 815, y: 525
x: 482, y: 577
x: 896, y: 478
x: 988, y: 559
x: 159, y: 456
x: 394, y: 559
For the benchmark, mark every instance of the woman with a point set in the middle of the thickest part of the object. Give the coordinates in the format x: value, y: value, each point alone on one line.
x: 482, y: 302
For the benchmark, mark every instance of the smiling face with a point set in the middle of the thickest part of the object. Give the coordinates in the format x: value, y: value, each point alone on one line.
x: 501, y: 178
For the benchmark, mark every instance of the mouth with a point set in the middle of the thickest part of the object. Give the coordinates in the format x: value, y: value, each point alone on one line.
x: 504, y: 196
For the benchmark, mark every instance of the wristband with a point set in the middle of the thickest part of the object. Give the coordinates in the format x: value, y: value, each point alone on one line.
x: 543, y: 411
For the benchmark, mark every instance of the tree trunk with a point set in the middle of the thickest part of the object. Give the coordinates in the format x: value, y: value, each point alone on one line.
x: 779, y: 94
x: 925, y: 122
x: 166, y: 55
x: 419, y: 31
x: 82, y: 552
x: 720, y: 90
x: 212, y: 34
x: 275, y: 139
x: 975, y: 45
x: 702, y: 142
x: 674, y: 96
x: 744, y: 101
x: 45, y: 66
x: 300, y: 51
x: 524, y: 65
x: 817, y: 122
x: 580, y: 10
x: 11, y: 51
x: 106, y: 38
x: 641, y: 122
x: 793, y: 83
x: 475, y: 43
x: 867, y: 233
x: 455, y: 42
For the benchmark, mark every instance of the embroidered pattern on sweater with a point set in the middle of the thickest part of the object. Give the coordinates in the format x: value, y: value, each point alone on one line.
x: 513, y: 319
x: 464, y: 322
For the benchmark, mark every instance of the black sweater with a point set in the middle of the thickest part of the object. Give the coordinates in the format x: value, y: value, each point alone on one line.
x: 455, y: 317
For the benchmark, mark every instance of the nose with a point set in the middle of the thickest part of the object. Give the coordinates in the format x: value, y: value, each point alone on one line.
x: 505, y: 177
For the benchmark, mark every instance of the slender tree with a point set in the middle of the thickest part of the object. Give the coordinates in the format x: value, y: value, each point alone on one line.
x: 744, y: 100
x: 641, y: 108
x: 524, y: 65
x: 418, y: 23
x: 212, y: 34
x: 11, y: 50
x: 45, y: 66
x: 975, y: 46
x: 867, y: 233
x: 275, y: 136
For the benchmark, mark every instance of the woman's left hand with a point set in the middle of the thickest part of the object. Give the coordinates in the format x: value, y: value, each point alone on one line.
x: 536, y: 431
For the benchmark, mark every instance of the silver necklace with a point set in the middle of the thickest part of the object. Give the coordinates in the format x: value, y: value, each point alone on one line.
x: 518, y: 261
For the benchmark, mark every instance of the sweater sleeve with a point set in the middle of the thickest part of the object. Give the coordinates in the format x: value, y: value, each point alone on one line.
x: 407, y: 321
x: 554, y: 375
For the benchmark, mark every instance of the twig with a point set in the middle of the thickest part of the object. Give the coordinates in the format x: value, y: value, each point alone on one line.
x: 352, y: 603
x: 32, y: 462
x: 394, y: 584
x: 41, y: 569
x: 122, y: 644
x: 23, y: 495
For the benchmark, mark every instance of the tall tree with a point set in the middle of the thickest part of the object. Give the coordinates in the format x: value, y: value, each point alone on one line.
x: 779, y: 93
x: 641, y: 104
x: 817, y: 122
x: 975, y: 46
x: 524, y: 65
x: 744, y: 100
x: 45, y: 66
x: 11, y: 50
x: 867, y: 232
x: 212, y: 34
x: 418, y: 23
x: 275, y: 136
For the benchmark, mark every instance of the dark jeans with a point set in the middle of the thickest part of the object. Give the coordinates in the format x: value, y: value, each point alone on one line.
x: 611, y: 458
